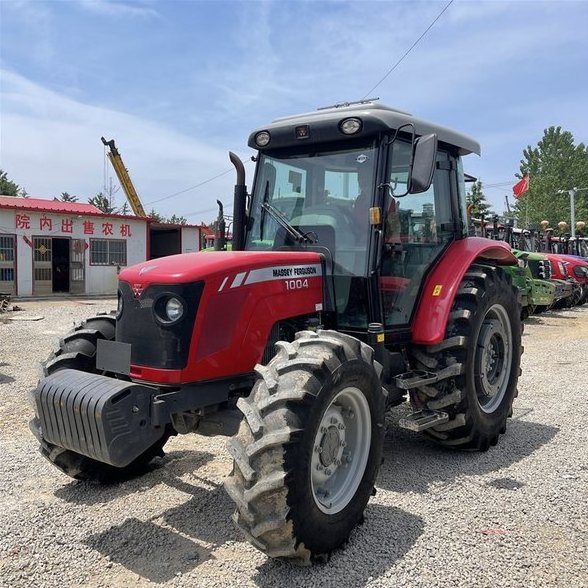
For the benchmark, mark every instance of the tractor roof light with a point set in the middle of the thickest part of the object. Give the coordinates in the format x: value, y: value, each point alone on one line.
x: 350, y: 126
x: 262, y: 138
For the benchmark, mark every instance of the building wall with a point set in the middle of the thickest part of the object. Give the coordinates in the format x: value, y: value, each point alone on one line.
x: 190, y: 239
x: 99, y: 279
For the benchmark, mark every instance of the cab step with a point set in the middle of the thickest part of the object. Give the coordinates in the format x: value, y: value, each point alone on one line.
x: 415, y: 379
x: 423, y: 419
x: 419, y: 378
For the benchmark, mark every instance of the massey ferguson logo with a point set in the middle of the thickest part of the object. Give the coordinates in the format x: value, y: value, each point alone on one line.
x: 137, y: 290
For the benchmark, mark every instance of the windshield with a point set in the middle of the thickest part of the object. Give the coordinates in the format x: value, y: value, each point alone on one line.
x: 324, y: 195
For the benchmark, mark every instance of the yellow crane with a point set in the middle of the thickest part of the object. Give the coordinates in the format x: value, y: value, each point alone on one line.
x: 124, y: 178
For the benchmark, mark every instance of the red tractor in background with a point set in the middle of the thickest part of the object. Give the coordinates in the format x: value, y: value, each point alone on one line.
x: 352, y: 286
x: 572, y: 270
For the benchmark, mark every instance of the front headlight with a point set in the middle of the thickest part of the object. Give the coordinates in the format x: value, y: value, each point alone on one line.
x: 174, y: 309
x: 169, y: 309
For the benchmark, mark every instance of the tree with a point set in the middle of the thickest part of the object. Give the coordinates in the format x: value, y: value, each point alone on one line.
x: 66, y: 197
x: 555, y: 166
x: 102, y: 202
x: 477, y: 200
x: 177, y: 220
x: 156, y: 216
x: 8, y: 187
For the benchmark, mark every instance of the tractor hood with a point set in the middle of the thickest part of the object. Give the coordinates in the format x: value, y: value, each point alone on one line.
x: 231, y: 301
x: 192, y: 267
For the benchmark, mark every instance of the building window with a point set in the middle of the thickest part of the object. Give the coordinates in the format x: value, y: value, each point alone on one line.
x: 108, y: 252
x: 7, y: 248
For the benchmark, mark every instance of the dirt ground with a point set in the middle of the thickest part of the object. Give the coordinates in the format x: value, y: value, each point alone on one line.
x: 515, y: 515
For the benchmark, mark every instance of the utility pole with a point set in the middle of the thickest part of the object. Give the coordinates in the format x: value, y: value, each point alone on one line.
x: 572, y: 194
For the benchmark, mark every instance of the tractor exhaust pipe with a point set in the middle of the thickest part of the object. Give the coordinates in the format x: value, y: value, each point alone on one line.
x: 239, y: 204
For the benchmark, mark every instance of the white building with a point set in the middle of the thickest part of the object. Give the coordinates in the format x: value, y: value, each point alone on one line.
x: 53, y: 247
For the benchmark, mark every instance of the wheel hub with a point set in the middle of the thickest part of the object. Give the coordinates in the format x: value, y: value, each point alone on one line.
x: 493, y: 358
x: 330, y: 446
x: 340, y: 451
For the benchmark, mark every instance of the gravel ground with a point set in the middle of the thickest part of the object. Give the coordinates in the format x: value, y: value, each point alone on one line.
x: 516, y: 515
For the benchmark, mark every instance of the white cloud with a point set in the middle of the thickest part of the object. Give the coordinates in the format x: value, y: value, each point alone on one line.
x: 118, y: 9
x: 50, y: 144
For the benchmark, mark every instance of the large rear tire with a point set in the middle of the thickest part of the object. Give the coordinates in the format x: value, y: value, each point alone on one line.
x: 309, y: 448
x: 77, y: 351
x: 484, y: 336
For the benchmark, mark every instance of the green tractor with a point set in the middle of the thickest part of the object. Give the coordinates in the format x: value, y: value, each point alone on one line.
x: 540, y: 290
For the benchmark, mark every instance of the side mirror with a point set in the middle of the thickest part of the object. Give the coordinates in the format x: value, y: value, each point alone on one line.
x: 423, y: 163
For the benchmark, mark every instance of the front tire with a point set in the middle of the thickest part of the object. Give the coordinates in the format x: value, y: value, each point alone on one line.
x: 483, y: 336
x: 309, y: 448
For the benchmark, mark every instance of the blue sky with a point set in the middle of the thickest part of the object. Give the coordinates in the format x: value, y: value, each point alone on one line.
x: 179, y: 83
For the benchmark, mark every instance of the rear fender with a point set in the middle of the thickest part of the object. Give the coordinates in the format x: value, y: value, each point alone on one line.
x: 440, y: 289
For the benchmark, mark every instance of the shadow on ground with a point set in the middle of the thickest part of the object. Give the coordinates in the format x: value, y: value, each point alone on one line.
x: 412, y: 462
x: 172, y: 467
x: 148, y: 549
x: 4, y: 379
x: 166, y: 545
x: 385, y: 538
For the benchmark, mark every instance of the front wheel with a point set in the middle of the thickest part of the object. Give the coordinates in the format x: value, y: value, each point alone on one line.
x: 309, y: 448
x: 483, y: 337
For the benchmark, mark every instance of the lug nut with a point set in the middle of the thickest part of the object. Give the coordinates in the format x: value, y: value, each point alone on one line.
x: 341, y: 427
x: 328, y: 472
x: 333, y: 421
x: 323, y: 430
x: 319, y: 467
x: 342, y: 444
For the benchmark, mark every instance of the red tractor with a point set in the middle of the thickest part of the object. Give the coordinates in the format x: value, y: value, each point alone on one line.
x: 352, y: 286
x: 574, y: 271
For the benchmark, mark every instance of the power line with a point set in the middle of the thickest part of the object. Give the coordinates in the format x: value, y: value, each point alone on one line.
x: 191, y: 187
x: 224, y: 173
x: 207, y: 210
x: 409, y: 50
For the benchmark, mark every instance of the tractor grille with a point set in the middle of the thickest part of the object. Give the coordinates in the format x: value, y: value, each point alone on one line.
x: 152, y: 343
x: 102, y: 418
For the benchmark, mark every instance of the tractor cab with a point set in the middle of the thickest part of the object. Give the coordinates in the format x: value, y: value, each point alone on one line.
x: 380, y: 193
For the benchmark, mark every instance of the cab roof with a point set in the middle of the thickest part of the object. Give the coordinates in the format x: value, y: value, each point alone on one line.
x: 376, y: 118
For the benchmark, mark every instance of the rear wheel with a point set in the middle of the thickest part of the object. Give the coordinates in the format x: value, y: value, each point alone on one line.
x: 309, y: 448
x: 77, y: 351
x: 483, y: 336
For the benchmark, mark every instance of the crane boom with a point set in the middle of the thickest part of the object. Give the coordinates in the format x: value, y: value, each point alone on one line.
x: 124, y: 178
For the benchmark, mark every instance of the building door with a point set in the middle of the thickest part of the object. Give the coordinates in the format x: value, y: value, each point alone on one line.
x: 42, y: 266
x: 60, y: 264
x: 77, y: 274
x: 7, y: 264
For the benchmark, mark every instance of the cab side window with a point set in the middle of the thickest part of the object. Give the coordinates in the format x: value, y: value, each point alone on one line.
x: 417, y: 229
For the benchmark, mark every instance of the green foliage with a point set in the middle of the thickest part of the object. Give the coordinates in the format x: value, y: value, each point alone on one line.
x: 555, y: 164
x: 66, y: 197
x: 8, y: 187
x: 158, y: 218
x: 102, y: 202
x: 177, y: 220
x: 477, y: 199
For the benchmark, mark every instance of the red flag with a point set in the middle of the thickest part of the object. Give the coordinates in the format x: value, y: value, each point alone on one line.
x: 521, y: 187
